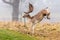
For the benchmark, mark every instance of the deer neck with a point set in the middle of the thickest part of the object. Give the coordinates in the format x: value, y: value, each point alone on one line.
x: 29, y: 17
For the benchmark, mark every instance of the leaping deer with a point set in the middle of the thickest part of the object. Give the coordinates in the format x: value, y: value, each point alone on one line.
x: 38, y: 17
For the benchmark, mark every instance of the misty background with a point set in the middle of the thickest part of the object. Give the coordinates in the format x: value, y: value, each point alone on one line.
x: 54, y: 7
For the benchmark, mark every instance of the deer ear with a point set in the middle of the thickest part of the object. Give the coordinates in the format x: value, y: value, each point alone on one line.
x: 30, y: 7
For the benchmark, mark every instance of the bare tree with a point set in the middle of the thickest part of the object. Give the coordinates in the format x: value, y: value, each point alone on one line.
x: 15, y: 5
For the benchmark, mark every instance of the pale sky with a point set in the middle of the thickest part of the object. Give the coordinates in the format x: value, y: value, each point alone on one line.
x: 54, y: 6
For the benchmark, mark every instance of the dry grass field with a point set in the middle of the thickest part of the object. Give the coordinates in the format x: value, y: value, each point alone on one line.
x: 45, y: 31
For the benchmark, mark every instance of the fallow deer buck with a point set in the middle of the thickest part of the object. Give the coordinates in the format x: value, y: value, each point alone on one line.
x: 38, y: 17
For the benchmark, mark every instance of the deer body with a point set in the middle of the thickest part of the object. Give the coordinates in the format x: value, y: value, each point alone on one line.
x: 36, y: 18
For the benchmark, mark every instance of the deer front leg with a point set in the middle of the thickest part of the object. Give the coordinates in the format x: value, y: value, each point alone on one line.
x: 32, y: 28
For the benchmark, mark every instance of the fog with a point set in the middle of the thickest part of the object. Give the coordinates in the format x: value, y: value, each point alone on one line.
x: 54, y: 6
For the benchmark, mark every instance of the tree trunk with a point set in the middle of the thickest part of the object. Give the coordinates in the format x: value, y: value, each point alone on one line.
x: 15, y: 5
x: 15, y: 13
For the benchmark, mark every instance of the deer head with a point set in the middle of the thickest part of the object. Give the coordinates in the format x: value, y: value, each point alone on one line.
x: 30, y: 10
x: 26, y: 15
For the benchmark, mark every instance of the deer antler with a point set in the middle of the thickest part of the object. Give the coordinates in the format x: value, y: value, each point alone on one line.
x: 30, y: 8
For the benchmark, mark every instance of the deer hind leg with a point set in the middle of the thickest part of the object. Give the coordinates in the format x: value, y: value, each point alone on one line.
x: 48, y: 16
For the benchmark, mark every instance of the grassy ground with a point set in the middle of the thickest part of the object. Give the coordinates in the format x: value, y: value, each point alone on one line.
x: 13, y: 35
x: 43, y: 31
